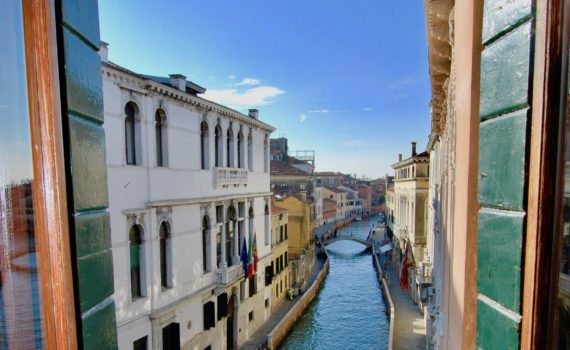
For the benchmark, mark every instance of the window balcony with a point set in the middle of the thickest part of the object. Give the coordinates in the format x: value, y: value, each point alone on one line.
x: 229, y: 274
x: 226, y: 177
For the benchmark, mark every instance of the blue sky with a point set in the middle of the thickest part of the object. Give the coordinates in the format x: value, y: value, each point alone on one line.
x: 348, y: 79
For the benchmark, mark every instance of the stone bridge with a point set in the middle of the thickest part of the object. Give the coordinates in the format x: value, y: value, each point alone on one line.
x: 349, y: 237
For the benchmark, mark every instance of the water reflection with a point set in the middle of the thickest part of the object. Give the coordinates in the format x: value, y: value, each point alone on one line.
x: 349, y: 312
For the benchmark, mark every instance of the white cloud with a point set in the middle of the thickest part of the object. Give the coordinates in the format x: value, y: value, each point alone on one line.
x: 367, y: 109
x: 302, y: 117
x: 256, y: 96
x: 231, y: 77
x: 327, y: 111
x: 248, y: 81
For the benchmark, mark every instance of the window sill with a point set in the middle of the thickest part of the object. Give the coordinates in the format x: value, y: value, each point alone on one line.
x: 137, y: 299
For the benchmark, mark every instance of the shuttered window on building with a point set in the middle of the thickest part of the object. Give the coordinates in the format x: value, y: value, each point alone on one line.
x: 252, y: 286
x: 209, y: 315
x: 222, y: 305
x: 268, y: 275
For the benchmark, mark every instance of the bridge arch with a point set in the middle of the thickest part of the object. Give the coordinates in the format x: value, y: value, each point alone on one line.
x: 367, y: 243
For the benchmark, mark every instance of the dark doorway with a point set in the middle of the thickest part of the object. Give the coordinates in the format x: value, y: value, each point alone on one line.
x: 171, y: 337
x: 230, y: 324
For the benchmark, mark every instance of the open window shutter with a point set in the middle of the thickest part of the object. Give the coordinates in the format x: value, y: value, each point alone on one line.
x: 209, y: 315
x: 222, y: 305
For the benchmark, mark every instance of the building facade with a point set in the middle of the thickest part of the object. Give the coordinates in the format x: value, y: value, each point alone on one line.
x: 301, y: 254
x: 354, y: 204
x: 329, y: 178
x: 407, y: 222
x: 339, y: 197
x: 188, y: 188
x: 280, y: 270
x: 410, y: 194
x: 329, y: 210
x: 365, y: 194
x: 318, y: 198
x: 287, y: 179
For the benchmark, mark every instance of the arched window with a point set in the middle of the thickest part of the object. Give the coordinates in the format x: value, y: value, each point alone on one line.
x: 136, y: 256
x: 165, y: 255
x: 230, y: 148
x: 218, y: 146
x: 204, y: 145
x: 132, y: 134
x: 251, y: 228
x: 231, y: 220
x: 206, y: 244
x: 266, y: 224
x: 250, y: 152
x: 240, y: 148
x: 219, y: 247
x: 265, y: 155
x: 160, y: 134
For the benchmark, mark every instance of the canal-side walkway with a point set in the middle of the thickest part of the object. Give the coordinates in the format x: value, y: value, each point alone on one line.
x: 260, y: 337
x: 409, y: 327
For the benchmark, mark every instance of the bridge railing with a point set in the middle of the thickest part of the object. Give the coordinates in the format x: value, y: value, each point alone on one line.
x: 347, y: 235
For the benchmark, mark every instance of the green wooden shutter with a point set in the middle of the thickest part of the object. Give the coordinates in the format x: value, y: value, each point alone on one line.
x: 504, y: 115
x: 135, y: 255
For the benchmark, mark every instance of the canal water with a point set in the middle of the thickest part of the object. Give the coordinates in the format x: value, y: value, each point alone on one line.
x: 349, y: 312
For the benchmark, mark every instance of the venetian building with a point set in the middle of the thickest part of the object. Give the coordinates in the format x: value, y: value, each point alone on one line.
x: 279, y: 275
x: 409, y: 227
x: 439, y: 28
x: 188, y: 187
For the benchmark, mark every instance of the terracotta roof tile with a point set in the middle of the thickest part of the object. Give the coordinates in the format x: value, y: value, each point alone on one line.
x: 276, y: 209
x: 335, y: 190
x: 279, y: 167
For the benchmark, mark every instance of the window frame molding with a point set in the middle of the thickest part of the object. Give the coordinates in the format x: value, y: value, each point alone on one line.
x: 541, y: 259
x: 163, y: 137
x: 205, y: 145
x: 137, y: 123
x: 169, y: 254
x: 51, y: 224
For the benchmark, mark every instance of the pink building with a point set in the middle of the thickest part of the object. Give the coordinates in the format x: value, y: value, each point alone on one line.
x: 365, y: 193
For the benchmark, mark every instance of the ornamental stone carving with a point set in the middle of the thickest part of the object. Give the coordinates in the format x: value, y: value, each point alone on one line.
x: 164, y: 214
x: 205, y: 209
x: 136, y: 219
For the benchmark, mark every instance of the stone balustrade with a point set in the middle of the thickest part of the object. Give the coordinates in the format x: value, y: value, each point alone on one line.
x: 230, y: 176
x: 229, y: 274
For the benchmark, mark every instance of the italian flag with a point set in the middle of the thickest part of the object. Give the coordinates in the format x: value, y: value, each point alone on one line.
x: 252, y: 257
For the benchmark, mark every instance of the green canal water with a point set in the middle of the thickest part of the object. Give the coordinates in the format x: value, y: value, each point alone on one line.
x: 349, y: 312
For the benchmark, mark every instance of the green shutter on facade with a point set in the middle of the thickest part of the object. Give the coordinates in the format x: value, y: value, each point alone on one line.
x: 84, y: 145
x: 503, y: 137
x: 135, y: 255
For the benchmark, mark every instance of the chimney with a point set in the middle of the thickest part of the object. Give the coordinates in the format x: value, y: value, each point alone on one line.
x: 253, y: 113
x: 400, y: 157
x: 414, y: 148
x: 104, y: 51
x: 178, y: 81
